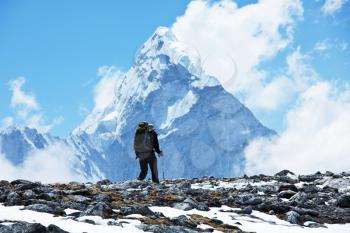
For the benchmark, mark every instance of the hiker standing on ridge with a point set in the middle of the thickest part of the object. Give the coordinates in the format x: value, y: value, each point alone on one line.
x: 145, y: 145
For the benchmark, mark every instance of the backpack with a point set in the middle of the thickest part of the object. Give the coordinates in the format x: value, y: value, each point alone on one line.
x: 143, y: 141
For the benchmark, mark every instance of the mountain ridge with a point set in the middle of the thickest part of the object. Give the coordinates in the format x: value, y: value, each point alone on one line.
x: 202, y: 128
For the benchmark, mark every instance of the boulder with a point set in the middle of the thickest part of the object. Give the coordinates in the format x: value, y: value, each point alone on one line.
x: 55, y: 229
x: 189, y: 204
x: 51, y: 209
x: 137, y: 209
x: 286, y: 194
x: 100, y: 209
x: 343, y: 201
x: 23, y: 227
x: 293, y: 217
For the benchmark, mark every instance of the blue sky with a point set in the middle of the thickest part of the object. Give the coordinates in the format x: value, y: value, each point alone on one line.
x: 58, y: 47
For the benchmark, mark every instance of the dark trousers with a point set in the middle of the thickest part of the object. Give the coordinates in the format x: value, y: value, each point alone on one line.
x: 152, y: 163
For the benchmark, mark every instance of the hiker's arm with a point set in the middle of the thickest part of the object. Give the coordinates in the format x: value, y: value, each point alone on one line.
x: 156, y: 143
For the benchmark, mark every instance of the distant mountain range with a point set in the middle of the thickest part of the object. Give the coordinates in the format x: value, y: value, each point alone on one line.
x: 203, y: 129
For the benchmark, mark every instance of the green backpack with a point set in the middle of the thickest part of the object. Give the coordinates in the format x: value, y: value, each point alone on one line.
x: 143, y: 141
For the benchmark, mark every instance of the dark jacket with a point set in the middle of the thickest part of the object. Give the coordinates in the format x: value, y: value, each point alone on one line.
x: 155, y: 142
x: 154, y: 136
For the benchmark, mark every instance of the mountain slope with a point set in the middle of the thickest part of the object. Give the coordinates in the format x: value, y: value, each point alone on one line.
x: 202, y: 128
x: 17, y: 142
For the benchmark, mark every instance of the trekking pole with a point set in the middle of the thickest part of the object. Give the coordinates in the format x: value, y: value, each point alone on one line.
x: 163, y: 167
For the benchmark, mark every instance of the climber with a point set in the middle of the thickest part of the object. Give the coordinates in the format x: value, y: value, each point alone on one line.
x: 145, y: 145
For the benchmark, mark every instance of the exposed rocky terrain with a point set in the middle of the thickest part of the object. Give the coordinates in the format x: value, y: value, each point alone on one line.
x: 311, y: 201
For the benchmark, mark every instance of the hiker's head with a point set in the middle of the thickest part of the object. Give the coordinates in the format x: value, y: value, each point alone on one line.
x: 143, y: 124
x: 150, y: 127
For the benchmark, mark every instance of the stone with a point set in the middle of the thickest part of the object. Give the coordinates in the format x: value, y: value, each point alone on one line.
x: 137, y: 209
x: 23, y: 227
x: 189, y: 204
x: 284, y: 187
x: 99, y: 209
x: 247, y: 210
x: 13, y: 198
x: 55, y: 229
x: 284, y: 173
x: 46, y: 209
x: 343, y: 201
x: 293, y: 217
x: 168, y: 229
x: 103, y: 182
x: 299, y: 197
x: 286, y: 194
x: 183, y: 220
x: 79, y: 198
x: 183, y: 206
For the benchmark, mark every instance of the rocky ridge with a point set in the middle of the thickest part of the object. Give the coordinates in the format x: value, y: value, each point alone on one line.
x: 306, y: 200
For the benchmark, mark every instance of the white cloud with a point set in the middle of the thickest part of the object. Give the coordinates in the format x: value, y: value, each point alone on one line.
x: 27, y: 109
x: 53, y: 164
x: 283, y: 89
x: 316, y: 138
x: 104, y: 91
x: 332, y: 6
x: 343, y: 45
x: 322, y: 46
x: 6, y: 122
x: 19, y: 97
x: 247, y: 35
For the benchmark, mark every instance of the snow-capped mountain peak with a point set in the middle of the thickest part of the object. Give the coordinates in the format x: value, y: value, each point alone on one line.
x: 202, y: 128
x: 164, y: 46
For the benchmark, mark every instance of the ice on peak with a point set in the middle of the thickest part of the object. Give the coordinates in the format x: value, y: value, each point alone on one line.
x: 163, y: 45
x: 164, y: 33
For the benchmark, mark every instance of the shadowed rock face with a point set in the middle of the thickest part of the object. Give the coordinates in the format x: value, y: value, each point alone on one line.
x: 322, y: 199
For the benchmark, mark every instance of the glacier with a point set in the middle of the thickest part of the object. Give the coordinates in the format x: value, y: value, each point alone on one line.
x: 202, y: 128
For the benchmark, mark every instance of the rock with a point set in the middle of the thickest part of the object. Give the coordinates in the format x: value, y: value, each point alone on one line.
x: 100, y: 209
x: 27, y: 186
x: 79, y: 198
x: 314, y: 225
x: 284, y: 173
x: 279, y: 208
x: 101, y: 197
x: 293, y: 217
x: 13, y: 198
x: 23, y: 227
x: 103, y: 182
x: 183, y: 206
x: 343, y: 201
x: 309, y: 178
x: 285, y: 187
x: 168, y: 229
x: 137, y: 209
x: 55, y: 229
x: 329, y: 173
x: 196, y: 204
x: 46, y: 209
x: 310, y: 189
x: 28, y: 194
x: 253, y: 201
x: 182, y: 220
x: 20, y: 182
x: 189, y: 204
x: 303, y: 211
x: 247, y: 210
x: 183, y: 185
x: 286, y: 194
x: 299, y: 198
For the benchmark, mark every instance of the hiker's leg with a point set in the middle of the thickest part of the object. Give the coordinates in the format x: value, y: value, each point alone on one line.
x: 154, y: 169
x: 143, y: 168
